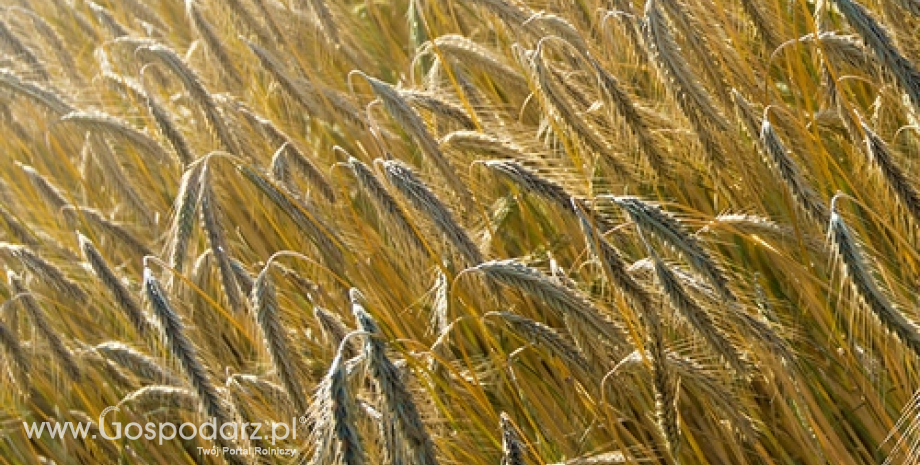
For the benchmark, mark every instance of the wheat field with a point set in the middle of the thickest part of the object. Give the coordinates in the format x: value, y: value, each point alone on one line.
x: 462, y: 232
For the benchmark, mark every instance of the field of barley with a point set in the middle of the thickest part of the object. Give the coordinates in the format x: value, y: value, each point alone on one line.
x: 462, y: 231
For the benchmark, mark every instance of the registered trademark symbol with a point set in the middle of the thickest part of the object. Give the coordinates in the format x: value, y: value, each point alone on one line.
x: 303, y: 419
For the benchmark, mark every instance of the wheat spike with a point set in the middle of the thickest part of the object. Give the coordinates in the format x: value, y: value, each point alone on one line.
x: 667, y: 227
x: 557, y: 297
x: 864, y: 284
x: 44, y: 270
x: 265, y: 303
x: 210, y: 220
x: 424, y: 200
x: 878, y: 40
x: 388, y: 206
x: 332, y: 412
x: 690, y: 96
x: 513, y: 448
x: 109, y: 279
x: 196, y: 91
x: 399, y: 408
x: 40, y: 321
x: 881, y: 158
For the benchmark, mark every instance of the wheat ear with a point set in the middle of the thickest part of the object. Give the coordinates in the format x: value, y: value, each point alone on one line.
x: 183, y: 222
x: 675, y: 72
x: 513, y: 448
x: 410, y: 121
x: 864, y: 284
x: 332, y: 412
x: 172, y: 331
x: 138, y: 363
x: 109, y: 279
x: 557, y: 297
x: 667, y: 227
x: 265, y: 303
x: 399, y: 408
x: 881, y: 158
x: 196, y: 91
x: 878, y: 40
x: 44, y: 270
x: 425, y: 201
x: 210, y: 220
x: 41, y: 323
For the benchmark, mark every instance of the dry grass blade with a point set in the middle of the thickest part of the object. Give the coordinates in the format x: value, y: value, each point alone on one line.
x: 557, y: 297
x: 411, y: 437
x: 424, y: 200
x: 40, y: 321
x: 864, y: 284
x: 109, y: 279
x: 265, y: 303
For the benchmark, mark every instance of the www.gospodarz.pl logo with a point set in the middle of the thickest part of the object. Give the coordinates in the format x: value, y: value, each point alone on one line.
x: 209, y: 430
